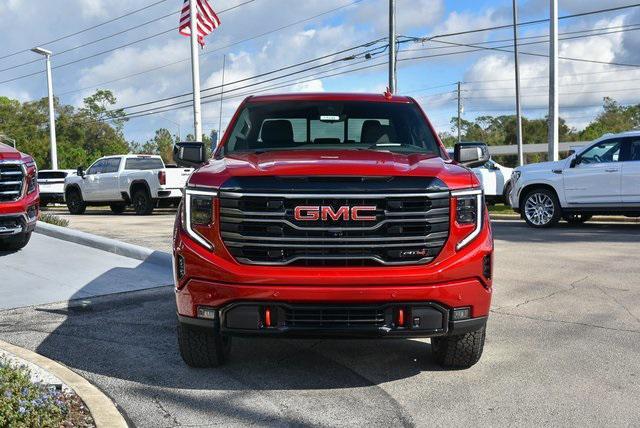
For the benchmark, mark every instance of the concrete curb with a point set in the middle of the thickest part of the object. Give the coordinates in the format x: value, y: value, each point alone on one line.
x: 597, y: 219
x: 105, y: 244
x: 104, y: 412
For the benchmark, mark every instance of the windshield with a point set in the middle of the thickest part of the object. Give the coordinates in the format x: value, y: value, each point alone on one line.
x: 328, y: 125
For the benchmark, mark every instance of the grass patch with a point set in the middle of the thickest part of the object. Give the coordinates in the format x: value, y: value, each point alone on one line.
x: 54, y: 219
x: 501, y: 209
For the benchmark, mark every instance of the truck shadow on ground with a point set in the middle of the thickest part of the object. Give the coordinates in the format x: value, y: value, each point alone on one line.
x: 132, y: 337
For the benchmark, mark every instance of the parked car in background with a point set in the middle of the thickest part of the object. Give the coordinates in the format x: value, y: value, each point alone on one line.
x: 118, y: 181
x: 19, y: 198
x: 495, y: 179
x: 602, y: 178
x: 51, y: 182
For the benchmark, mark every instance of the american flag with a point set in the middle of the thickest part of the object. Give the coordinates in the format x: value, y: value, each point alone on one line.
x: 207, y: 20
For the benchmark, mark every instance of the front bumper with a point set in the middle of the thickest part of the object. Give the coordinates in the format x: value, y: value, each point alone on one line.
x: 19, y: 216
x: 423, y: 319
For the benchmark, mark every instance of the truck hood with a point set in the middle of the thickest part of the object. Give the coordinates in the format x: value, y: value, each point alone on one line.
x: 542, y: 166
x: 332, y: 163
x: 9, y: 153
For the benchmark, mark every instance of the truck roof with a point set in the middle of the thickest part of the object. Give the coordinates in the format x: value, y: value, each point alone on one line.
x: 329, y: 96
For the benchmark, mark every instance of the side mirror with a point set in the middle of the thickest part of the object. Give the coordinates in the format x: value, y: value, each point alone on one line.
x: 189, y: 154
x: 471, y: 155
x: 80, y: 172
x: 575, y: 162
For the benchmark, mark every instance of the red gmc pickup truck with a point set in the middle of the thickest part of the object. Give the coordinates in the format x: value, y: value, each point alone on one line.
x: 332, y: 215
x: 18, y: 198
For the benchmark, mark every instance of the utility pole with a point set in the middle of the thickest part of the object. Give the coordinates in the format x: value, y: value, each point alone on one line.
x: 517, y: 69
x: 459, y: 113
x: 553, y: 134
x: 195, y: 71
x: 52, y: 113
x: 392, y: 46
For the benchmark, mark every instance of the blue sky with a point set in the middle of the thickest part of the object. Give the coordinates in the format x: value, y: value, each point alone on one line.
x: 151, y: 69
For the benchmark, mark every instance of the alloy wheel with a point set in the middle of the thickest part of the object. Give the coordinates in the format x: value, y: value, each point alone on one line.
x: 539, y: 209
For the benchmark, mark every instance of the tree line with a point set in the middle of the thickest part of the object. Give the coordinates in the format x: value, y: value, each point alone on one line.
x: 95, y: 129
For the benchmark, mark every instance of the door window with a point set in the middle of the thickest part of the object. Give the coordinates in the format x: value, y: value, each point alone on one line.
x: 634, y: 150
x: 111, y: 165
x: 603, y: 152
x: 97, y: 167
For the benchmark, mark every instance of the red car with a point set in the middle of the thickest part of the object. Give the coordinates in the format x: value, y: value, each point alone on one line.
x: 335, y: 215
x: 18, y: 198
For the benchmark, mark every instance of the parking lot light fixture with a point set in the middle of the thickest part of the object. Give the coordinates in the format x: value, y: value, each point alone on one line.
x: 52, y: 117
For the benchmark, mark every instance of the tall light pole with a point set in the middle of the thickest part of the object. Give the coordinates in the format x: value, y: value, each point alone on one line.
x: 553, y: 134
x: 517, y: 70
x: 392, y: 46
x: 52, y: 114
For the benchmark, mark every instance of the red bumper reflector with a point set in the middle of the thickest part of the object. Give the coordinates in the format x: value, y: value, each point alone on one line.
x: 267, y: 317
x: 400, y: 317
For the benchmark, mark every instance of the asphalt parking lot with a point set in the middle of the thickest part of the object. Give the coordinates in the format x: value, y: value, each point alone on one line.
x: 562, y: 349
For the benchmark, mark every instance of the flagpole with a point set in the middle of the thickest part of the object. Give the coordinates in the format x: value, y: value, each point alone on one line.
x: 224, y: 63
x: 195, y: 71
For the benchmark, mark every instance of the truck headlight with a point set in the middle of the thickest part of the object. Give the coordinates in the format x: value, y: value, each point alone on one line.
x: 31, y: 176
x: 199, y: 215
x: 515, y: 176
x: 469, y: 206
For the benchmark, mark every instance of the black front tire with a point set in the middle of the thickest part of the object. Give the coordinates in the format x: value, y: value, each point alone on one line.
x: 15, y: 243
x: 118, y: 208
x: 576, y: 218
x: 458, y: 352
x: 142, y: 202
x: 202, y: 347
x: 75, y: 204
x: 546, y: 199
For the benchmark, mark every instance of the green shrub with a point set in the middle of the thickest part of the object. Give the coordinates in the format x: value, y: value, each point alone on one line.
x: 25, y: 404
x: 54, y: 219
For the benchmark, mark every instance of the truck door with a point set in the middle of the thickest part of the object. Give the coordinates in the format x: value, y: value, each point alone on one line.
x: 596, y: 177
x: 109, y: 186
x: 631, y: 173
x: 90, y: 185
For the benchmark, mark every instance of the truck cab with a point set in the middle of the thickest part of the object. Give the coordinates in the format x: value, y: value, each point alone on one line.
x: 335, y: 215
x: 19, y: 198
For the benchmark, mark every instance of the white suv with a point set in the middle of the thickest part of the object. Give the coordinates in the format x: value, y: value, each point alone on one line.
x: 602, y: 178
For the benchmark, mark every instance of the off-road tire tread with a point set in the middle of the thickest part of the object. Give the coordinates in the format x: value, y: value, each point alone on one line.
x: 459, y: 352
x: 200, y: 347
x: 79, y: 210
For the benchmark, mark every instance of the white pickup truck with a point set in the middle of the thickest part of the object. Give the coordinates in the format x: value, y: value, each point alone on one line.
x: 142, y: 181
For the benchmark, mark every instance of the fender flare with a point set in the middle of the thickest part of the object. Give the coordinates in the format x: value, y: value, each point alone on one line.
x: 138, y: 183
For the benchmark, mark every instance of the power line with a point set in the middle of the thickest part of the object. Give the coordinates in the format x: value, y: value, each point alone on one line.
x: 219, y: 48
x: 368, y: 44
x: 112, y: 49
x: 85, y: 29
x: 117, y: 34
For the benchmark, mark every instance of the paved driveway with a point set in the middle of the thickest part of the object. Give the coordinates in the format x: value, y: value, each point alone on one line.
x: 50, y: 270
x: 562, y: 349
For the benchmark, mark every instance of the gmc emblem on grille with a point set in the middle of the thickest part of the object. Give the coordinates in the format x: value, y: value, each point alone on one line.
x: 324, y: 212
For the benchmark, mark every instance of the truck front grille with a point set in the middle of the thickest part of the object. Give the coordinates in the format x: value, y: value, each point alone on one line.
x: 261, y: 229
x: 334, y: 316
x: 11, y: 181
